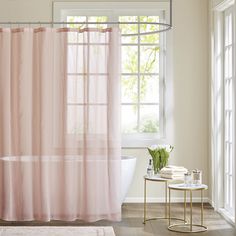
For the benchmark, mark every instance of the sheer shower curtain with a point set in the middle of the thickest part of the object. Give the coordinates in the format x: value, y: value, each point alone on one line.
x: 59, y: 124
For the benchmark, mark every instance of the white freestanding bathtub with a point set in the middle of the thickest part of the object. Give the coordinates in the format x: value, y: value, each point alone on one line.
x: 128, y: 164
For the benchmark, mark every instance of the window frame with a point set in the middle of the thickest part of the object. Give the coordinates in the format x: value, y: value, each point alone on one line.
x: 228, y: 112
x: 113, y: 10
x: 217, y: 9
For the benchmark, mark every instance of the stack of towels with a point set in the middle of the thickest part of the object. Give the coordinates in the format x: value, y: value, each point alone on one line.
x: 173, y: 172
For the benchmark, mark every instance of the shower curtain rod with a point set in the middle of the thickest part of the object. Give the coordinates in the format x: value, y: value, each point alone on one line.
x: 52, y: 23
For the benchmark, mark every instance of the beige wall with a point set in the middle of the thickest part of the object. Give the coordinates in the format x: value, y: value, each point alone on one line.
x: 188, y: 121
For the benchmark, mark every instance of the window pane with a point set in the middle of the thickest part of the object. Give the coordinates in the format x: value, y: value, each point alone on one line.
x: 75, y: 119
x: 94, y: 38
x: 230, y: 127
x: 97, y: 53
x: 149, y: 119
x: 226, y: 128
x: 129, y: 119
x: 129, y: 59
x: 226, y: 166
x: 149, y: 89
x: 230, y: 61
x: 97, y: 89
x: 230, y: 94
x: 76, y: 19
x: 230, y: 29
x: 129, y: 89
x: 129, y: 29
x: 149, y: 59
x: 230, y: 159
x: 226, y: 30
x: 226, y: 92
x: 226, y: 63
x: 153, y: 38
x: 97, y: 19
x: 97, y: 119
x: 146, y: 115
x: 73, y: 37
x: 149, y: 18
x: 75, y: 61
x: 75, y: 92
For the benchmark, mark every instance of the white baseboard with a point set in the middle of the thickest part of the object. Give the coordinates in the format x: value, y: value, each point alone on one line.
x: 162, y: 200
x: 211, y: 203
x: 227, y: 216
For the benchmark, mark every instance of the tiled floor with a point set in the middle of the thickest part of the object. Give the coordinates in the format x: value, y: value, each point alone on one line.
x: 132, y: 221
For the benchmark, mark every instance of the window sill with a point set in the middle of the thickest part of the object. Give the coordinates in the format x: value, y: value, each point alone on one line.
x: 141, y: 141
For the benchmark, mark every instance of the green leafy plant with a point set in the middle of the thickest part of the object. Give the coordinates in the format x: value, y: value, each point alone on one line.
x: 160, y: 156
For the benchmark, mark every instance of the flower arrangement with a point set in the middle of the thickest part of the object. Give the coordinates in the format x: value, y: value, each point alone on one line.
x: 160, y: 155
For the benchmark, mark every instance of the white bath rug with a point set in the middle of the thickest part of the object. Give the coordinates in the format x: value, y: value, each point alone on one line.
x: 55, y: 231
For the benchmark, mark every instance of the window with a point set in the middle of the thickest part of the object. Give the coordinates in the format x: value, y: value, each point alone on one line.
x: 140, y: 77
x: 143, y: 64
x: 228, y: 112
x: 223, y: 108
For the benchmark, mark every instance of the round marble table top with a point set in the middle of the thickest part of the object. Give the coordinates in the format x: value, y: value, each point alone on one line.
x: 188, y: 186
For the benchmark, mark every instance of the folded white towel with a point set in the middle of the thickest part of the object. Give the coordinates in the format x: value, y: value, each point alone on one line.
x: 166, y: 176
x: 174, y: 167
x: 174, y: 174
x: 173, y: 170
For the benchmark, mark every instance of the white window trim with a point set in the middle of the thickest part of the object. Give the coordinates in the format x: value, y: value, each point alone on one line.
x: 62, y: 9
x: 217, y: 129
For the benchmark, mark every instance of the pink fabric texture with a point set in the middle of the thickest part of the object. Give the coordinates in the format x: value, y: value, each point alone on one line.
x: 60, y: 147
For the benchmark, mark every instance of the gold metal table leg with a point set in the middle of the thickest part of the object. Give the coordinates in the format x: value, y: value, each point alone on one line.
x: 184, y: 205
x: 166, y: 200
x: 167, y: 214
x: 190, y: 225
x: 201, y: 207
x: 144, y: 217
x: 191, y: 211
x: 169, y: 207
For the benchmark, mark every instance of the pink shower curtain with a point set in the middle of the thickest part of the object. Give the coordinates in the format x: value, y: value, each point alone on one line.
x: 59, y: 124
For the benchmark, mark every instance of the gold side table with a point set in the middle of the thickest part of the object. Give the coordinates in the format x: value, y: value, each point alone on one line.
x: 188, y: 227
x: 159, y: 180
